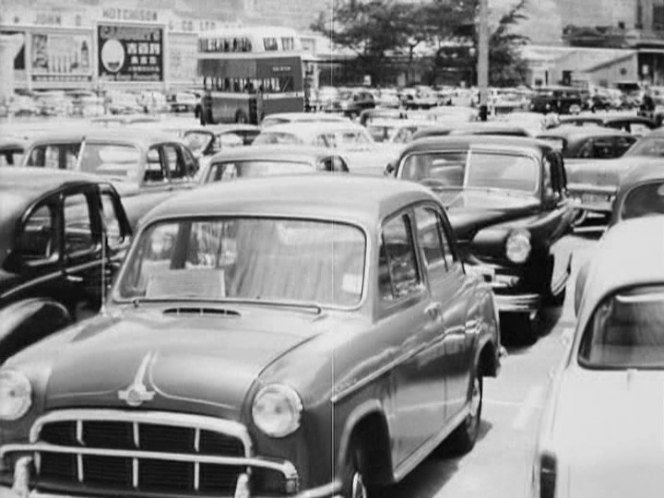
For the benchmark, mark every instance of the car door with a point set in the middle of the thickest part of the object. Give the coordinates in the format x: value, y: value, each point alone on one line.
x: 413, y: 326
x: 34, y: 264
x: 451, y: 292
x: 81, y: 246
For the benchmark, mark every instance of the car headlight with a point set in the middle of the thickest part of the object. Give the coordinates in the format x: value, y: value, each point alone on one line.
x: 15, y: 394
x: 517, y: 247
x: 277, y: 410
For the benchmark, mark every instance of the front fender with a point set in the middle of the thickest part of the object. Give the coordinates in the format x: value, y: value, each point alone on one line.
x: 25, y: 322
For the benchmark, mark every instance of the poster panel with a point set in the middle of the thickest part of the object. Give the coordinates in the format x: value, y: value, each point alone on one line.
x: 61, y: 56
x: 130, y: 53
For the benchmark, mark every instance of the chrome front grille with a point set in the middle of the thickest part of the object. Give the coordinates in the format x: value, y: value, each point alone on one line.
x: 132, y: 452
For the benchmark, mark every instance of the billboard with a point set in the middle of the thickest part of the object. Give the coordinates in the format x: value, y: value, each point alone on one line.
x: 130, y: 53
x: 61, y: 56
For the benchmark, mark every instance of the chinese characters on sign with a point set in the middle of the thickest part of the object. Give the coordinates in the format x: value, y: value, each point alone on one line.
x: 61, y: 57
x: 130, y: 53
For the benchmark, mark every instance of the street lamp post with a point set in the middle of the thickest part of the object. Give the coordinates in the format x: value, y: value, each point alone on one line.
x: 483, y: 60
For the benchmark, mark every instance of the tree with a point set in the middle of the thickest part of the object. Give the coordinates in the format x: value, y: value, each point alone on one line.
x: 506, y: 66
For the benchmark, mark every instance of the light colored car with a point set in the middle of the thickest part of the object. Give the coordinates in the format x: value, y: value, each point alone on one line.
x: 601, y: 431
x: 396, y: 131
x: 364, y: 155
x: 301, y: 117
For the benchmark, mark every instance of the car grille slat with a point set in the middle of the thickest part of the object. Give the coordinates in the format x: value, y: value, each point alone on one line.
x: 136, y: 473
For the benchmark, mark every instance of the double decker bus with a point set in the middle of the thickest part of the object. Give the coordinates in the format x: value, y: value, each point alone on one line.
x: 249, y: 73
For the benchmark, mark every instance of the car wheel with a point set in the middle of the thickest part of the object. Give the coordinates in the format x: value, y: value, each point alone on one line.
x: 353, y: 483
x: 463, y: 439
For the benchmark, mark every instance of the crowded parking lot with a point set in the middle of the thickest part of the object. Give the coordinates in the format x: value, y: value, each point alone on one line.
x: 246, y: 261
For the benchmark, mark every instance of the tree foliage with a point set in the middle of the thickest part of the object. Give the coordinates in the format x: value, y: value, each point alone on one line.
x: 379, y: 31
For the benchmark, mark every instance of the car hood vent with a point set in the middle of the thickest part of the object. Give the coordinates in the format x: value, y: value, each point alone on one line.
x: 194, y: 310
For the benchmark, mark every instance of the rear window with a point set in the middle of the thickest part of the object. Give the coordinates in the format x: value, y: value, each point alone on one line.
x: 626, y: 331
x: 120, y: 161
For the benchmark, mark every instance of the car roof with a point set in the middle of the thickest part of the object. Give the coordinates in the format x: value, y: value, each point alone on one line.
x: 629, y: 254
x: 221, y: 128
x: 580, y: 132
x: 523, y: 144
x: 129, y: 135
x: 272, y: 152
x: 472, y: 128
x: 306, y: 116
x: 353, y: 199
x: 311, y: 129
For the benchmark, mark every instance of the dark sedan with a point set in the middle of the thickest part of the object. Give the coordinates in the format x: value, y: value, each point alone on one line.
x: 506, y: 199
x: 588, y: 142
x: 61, y: 234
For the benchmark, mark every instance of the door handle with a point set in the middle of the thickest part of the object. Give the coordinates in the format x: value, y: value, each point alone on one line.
x: 74, y: 279
x: 434, y: 310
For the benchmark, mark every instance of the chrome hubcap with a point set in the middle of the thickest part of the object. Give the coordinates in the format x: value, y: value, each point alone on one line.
x: 359, y: 491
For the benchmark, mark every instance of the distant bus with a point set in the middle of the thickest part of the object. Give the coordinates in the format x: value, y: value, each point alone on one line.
x: 249, y: 73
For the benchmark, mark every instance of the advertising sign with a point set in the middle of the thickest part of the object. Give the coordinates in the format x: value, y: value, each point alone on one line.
x: 130, y: 53
x: 61, y: 57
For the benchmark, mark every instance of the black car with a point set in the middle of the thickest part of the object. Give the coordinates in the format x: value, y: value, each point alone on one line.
x: 588, y: 142
x: 558, y: 99
x: 62, y: 236
x: 506, y: 199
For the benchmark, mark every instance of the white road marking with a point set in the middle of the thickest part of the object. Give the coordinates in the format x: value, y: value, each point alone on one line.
x: 528, y: 407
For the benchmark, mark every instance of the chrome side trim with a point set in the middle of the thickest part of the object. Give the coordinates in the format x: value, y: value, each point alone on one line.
x: 427, y: 447
x: 229, y: 427
x: 285, y: 467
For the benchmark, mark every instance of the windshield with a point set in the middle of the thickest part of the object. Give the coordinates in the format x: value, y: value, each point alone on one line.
x: 247, y: 169
x: 472, y: 169
x: 644, y: 200
x: 626, y: 331
x: 652, y: 147
x: 271, y: 259
x: 275, y: 137
x: 118, y: 161
x: 382, y: 133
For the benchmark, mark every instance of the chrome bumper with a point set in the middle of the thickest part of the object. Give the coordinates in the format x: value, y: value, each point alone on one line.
x: 518, y: 303
x: 505, y: 302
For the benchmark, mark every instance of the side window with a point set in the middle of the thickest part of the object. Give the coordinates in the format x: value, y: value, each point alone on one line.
x: 78, y: 228
x: 321, y: 141
x: 603, y: 148
x: 450, y: 255
x: 622, y: 144
x: 174, y: 164
x: 397, y: 267
x: 153, y: 170
x: 190, y: 164
x: 430, y: 238
x: 37, y: 240
x: 586, y: 150
x: 111, y: 221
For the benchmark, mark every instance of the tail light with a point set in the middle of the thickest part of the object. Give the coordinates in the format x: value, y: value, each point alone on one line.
x: 547, y: 475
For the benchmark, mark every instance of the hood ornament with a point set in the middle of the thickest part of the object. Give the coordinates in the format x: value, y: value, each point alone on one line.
x: 136, y: 394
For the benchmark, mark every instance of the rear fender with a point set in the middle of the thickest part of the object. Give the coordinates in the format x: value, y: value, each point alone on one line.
x: 25, y: 322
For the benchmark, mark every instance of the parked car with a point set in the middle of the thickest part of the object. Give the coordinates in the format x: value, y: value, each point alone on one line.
x: 352, y: 102
x: 227, y: 295
x: 144, y: 168
x: 117, y: 102
x: 351, y: 140
x: 476, y: 128
x: 368, y: 115
x: 588, y: 142
x: 300, y: 117
x: 397, y: 131
x: 270, y: 160
x: 634, y: 125
x: 640, y: 193
x: 11, y: 151
x: 125, y: 120
x: 208, y: 140
x: 506, y: 199
x: 63, y: 235
x: 558, y: 99
x: 596, y: 432
x: 182, y: 101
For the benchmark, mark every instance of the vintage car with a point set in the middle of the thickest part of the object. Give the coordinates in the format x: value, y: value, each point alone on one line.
x: 267, y: 337
x: 11, y: 151
x: 300, y: 117
x: 61, y: 234
x: 368, y: 115
x: 477, y: 128
x: 640, y: 193
x: 506, y: 200
x: 145, y: 168
x: 588, y: 142
x: 210, y: 139
x: 396, y: 131
x: 270, y: 160
x: 559, y: 99
x: 629, y: 123
x: 351, y: 140
x: 600, y: 430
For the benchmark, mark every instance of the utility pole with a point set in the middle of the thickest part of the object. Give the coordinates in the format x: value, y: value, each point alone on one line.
x: 483, y: 60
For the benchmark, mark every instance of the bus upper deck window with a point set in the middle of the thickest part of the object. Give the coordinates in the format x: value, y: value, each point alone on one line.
x: 270, y: 44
